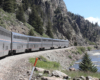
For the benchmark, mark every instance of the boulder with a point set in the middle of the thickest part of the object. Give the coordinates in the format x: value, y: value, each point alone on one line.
x: 72, y: 69
x: 20, y: 78
x: 46, y: 72
x: 88, y: 78
x: 57, y: 73
x: 40, y: 74
x: 25, y: 79
x: 83, y: 78
x: 95, y: 79
x: 51, y: 78
x: 39, y: 69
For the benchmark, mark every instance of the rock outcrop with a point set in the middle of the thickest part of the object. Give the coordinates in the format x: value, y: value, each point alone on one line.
x: 66, y: 25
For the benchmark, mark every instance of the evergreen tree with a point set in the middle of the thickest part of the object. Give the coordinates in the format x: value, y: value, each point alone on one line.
x: 49, y: 32
x: 39, y: 27
x: 8, y: 5
x: 87, y: 65
x: 25, y: 4
x: 31, y: 33
x: 20, y: 14
x: 35, y: 20
x: 1, y: 3
x: 14, y: 4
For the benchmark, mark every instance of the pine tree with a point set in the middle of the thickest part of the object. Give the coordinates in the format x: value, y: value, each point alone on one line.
x: 35, y: 20
x: 31, y: 33
x: 14, y: 4
x: 87, y: 65
x: 49, y: 32
x: 1, y: 3
x: 25, y: 4
x: 39, y: 27
x: 9, y: 5
x: 20, y: 14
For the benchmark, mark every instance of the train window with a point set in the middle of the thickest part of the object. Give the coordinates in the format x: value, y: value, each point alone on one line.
x: 30, y: 39
x: 50, y: 40
x: 45, y: 40
x: 4, y: 33
x: 37, y: 40
x: 34, y: 39
x: 19, y: 37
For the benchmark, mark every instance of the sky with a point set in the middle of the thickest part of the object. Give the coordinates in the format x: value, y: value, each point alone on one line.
x: 89, y: 9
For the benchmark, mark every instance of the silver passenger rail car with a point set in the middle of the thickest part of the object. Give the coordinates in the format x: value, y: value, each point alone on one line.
x: 64, y: 43
x: 5, y: 42
x: 47, y: 43
x: 34, y: 43
x: 56, y: 43
x: 19, y: 43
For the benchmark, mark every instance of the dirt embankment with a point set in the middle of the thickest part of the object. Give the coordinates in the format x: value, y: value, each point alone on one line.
x: 16, y: 67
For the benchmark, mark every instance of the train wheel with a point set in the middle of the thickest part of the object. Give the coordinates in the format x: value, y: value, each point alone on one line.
x: 14, y: 52
x: 26, y: 50
x: 44, y: 48
x: 40, y: 49
x: 10, y: 53
x: 64, y: 46
x: 30, y: 50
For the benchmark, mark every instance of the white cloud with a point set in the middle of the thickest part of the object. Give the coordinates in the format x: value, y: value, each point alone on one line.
x: 94, y: 20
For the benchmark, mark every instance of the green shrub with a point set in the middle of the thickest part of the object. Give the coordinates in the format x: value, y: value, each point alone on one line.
x: 31, y: 32
x: 73, y: 51
x: 81, y: 49
x: 70, y: 57
x: 89, y: 48
x: 79, y: 52
x: 91, y: 43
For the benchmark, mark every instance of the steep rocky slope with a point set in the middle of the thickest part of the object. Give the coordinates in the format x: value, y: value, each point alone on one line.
x: 53, y: 14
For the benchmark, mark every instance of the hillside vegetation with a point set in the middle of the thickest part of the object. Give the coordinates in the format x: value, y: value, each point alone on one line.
x: 47, y: 18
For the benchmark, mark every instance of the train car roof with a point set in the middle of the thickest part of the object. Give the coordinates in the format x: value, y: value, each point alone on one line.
x: 19, y: 34
x: 63, y: 40
x: 37, y: 37
x: 34, y: 37
x: 46, y: 38
x: 60, y: 39
x: 56, y: 39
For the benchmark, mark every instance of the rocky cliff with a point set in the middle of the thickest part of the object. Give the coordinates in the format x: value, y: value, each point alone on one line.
x: 66, y: 24
x: 55, y: 20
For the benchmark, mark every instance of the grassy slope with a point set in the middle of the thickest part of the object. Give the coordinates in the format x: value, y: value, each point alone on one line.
x: 9, y: 19
x: 44, y: 63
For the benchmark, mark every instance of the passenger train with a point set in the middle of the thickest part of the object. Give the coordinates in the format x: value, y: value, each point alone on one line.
x: 13, y: 43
